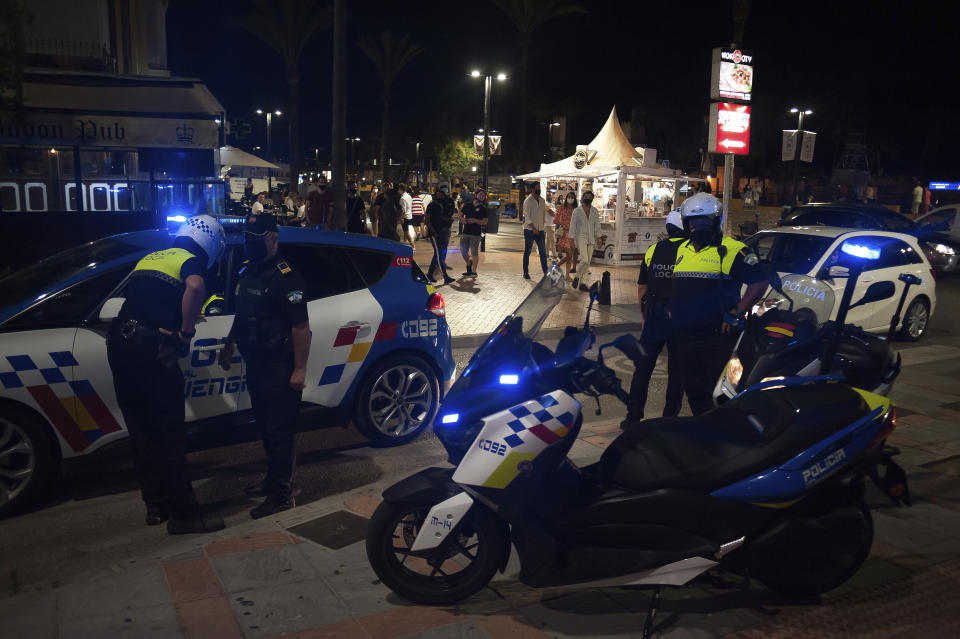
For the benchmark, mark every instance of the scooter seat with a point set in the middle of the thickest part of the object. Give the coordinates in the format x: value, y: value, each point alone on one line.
x: 741, y: 438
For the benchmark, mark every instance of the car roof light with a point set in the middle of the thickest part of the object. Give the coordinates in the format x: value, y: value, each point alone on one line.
x: 858, y: 250
x: 509, y: 379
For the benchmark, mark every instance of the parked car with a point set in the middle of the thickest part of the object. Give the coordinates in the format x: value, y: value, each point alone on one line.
x: 811, y: 250
x: 940, y: 252
x: 380, y: 354
x: 942, y: 221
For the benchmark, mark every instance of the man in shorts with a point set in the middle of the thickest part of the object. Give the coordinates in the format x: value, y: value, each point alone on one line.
x: 473, y: 215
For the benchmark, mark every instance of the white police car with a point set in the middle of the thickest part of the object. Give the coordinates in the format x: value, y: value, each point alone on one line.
x: 380, y: 355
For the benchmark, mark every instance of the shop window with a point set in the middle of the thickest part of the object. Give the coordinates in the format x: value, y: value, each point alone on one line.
x: 36, y: 196
x: 9, y: 197
x: 122, y: 197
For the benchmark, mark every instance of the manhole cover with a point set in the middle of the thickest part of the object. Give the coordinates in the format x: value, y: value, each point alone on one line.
x: 335, y: 531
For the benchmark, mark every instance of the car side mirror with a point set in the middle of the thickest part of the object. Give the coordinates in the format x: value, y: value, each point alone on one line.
x: 838, y: 271
x: 876, y: 292
x: 111, y: 309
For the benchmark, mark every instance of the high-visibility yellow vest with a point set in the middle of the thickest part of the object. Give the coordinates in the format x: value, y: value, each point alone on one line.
x: 165, y: 265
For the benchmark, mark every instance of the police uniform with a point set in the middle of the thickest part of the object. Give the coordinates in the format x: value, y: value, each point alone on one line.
x: 656, y: 272
x: 149, y: 383
x: 270, y: 301
x: 706, y: 285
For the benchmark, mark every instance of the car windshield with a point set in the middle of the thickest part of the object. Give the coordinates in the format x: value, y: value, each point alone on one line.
x: 800, y: 298
x: 789, y: 252
x: 893, y: 221
x: 39, y: 278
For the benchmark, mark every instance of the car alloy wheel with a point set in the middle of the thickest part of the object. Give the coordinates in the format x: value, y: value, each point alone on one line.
x: 18, y: 461
x: 401, y: 400
x: 915, y: 323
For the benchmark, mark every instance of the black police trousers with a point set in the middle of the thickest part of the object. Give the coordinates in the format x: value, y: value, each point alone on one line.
x: 657, y: 333
x: 275, y: 408
x: 703, y: 355
x: 150, y: 397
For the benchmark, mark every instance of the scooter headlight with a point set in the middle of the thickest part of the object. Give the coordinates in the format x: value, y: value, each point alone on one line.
x: 734, y: 371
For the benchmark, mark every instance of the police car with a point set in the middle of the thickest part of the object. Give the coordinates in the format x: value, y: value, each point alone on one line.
x: 380, y: 356
x: 811, y: 250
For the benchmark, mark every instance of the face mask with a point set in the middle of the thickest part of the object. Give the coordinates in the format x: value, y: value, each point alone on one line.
x: 255, y: 249
x: 587, y: 201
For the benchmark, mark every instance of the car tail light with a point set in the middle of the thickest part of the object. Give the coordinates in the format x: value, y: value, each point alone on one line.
x: 889, y: 423
x: 933, y: 273
x: 436, y: 305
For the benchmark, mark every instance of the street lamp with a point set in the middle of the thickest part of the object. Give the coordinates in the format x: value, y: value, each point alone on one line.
x: 549, y: 126
x: 800, y: 111
x: 353, y: 152
x: 270, y: 115
x: 487, y: 85
x: 418, y: 161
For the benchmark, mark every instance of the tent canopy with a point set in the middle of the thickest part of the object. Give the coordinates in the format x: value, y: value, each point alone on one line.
x: 231, y: 156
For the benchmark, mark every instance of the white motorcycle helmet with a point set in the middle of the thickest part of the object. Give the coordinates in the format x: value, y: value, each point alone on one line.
x: 675, y: 220
x: 701, y: 204
x: 207, y: 232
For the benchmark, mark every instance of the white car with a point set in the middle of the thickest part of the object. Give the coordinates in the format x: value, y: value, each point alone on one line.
x: 811, y: 250
x: 942, y: 220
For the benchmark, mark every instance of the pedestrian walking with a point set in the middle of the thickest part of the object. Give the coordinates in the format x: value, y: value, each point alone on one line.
x: 389, y: 225
x: 706, y: 307
x: 272, y: 330
x: 565, y: 245
x: 356, y: 212
x: 549, y: 230
x: 163, y: 298
x: 418, y: 208
x: 534, y: 218
x: 585, y: 229
x: 406, y: 207
x: 654, y: 289
x: 925, y: 205
x: 439, y: 215
x: 870, y: 194
x: 473, y: 215
x: 319, y: 205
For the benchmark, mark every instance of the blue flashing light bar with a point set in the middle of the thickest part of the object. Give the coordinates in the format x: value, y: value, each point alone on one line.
x: 857, y: 250
x: 509, y: 379
x: 176, y: 218
x: 451, y: 418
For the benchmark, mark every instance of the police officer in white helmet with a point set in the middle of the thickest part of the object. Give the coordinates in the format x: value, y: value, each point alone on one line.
x: 164, y: 295
x: 706, y: 308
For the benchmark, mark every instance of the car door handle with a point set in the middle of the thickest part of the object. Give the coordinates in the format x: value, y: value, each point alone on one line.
x: 212, y: 347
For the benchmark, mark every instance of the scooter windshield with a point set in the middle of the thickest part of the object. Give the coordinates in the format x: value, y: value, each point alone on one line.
x: 802, y: 305
x: 519, y: 330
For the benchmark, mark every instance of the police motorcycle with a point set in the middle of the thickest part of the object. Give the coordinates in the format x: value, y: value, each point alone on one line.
x: 791, y: 334
x: 768, y: 485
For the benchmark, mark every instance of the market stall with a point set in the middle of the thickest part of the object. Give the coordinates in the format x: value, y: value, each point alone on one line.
x: 632, y: 192
x: 241, y: 166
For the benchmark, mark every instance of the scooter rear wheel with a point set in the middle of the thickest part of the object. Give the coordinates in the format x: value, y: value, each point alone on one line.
x: 816, y: 554
x: 457, y: 569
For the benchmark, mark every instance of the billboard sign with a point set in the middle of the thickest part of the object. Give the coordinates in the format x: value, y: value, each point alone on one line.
x: 944, y: 186
x: 729, y: 128
x: 789, y: 150
x: 731, y: 76
x: 806, y: 146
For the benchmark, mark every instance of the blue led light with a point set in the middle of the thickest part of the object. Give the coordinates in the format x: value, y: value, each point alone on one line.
x: 509, y: 379
x: 176, y: 218
x: 857, y: 250
x: 450, y: 418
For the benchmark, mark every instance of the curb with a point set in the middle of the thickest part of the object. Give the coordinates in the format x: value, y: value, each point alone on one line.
x: 475, y: 340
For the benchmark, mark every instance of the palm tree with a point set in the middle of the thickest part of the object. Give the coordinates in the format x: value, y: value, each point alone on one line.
x: 286, y: 26
x: 527, y: 16
x: 389, y: 57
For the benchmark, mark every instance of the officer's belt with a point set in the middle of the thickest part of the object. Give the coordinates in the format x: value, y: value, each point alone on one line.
x: 132, y: 328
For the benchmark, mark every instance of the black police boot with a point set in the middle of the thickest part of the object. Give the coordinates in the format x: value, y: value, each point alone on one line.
x: 156, y: 514
x: 630, y: 420
x: 257, y: 490
x: 199, y: 523
x: 272, y: 505
x: 448, y: 280
x: 431, y: 276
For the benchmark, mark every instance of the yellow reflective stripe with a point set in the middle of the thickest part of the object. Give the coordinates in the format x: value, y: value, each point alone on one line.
x: 507, y: 470
x: 430, y: 289
x: 874, y: 401
x: 777, y: 329
x: 212, y: 298
x: 733, y: 249
x: 167, y: 262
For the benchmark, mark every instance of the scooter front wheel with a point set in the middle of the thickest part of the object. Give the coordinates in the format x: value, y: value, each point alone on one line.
x: 458, y: 568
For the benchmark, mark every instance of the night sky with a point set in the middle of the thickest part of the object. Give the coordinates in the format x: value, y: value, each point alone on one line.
x: 884, y: 69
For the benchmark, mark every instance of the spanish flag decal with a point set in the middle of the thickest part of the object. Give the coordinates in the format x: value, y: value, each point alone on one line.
x: 779, y: 331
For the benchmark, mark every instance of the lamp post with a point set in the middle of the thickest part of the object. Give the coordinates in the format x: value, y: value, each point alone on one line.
x: 800, y: 111
x: 270, y: 115
x: 353, y: 150
x: 549, y: 126
x: 487, y: 85
x: 418, y: 161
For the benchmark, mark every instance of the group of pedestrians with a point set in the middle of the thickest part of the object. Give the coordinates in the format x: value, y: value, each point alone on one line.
x: 570, y: 231
x: 164, y: 297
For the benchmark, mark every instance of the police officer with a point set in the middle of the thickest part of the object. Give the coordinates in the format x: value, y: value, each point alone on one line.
x: 654, y: 288
x: 164, y: 295
x: 706, y: 307
x: 273, y: 332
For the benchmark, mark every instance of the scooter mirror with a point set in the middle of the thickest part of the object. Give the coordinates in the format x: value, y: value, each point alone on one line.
x: 838, y: 271
x: 878, y: 291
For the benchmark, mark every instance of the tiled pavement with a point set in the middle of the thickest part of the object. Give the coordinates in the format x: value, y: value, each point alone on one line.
x: 260, y: 580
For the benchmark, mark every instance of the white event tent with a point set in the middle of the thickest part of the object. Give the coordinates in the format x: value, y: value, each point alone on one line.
x: 610, y: 156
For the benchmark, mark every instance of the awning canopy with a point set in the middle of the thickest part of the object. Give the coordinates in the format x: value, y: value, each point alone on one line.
x: 232, y: 156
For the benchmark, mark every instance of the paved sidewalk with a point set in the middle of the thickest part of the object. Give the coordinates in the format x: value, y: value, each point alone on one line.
x: 269, y: 579
x: 476, y: 305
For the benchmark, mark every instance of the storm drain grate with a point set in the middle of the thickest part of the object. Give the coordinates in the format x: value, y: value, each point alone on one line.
x: 334, y: 531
